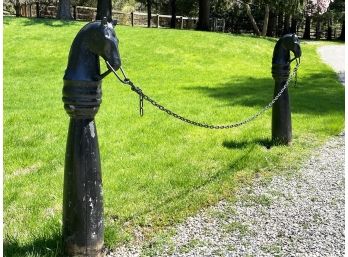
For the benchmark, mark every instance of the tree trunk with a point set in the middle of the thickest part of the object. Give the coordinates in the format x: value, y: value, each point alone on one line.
x: 253, y: 22
x: 173, y: 9
x: 25, y: 10
x: 149, y: 6
x: 37, y: 10
x: 64, y: 10
x: 104, y: 9
x: 203, y: 17
x: 293, y: 28
x: 329, y: 29
x: 286, y: 29
x: 307, y: 31
x: 318, y: 30
x: 265, y: 21
x: 75, y: 12
x: 18, y: 9
x: 342, y: 36
x: 271, y: 24
x: 280, y: 23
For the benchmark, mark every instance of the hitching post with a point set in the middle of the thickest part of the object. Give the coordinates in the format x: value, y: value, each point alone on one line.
x: 83, y: 229
x: 281, y: 113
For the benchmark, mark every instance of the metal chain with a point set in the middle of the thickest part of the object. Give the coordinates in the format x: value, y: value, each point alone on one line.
x: 143, y: 96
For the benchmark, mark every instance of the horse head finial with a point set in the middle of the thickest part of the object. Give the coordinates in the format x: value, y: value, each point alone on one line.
x: 285, y: 44
x: 94, y: 40
x: 292, y: 43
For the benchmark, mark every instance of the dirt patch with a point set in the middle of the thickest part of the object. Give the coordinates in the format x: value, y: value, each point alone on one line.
x: 24, y: 171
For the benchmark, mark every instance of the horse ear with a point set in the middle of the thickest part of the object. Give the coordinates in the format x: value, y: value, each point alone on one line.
x: 295, y: 38
x: 113, y: 22
x: 104, y: 21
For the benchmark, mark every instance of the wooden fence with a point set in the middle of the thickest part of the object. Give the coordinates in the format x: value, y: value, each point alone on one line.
x: 322, y: 34
x: 41, y: 10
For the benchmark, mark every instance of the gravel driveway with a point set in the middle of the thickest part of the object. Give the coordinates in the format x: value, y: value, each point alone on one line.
x: 334, y: 56
x: 301, y: 215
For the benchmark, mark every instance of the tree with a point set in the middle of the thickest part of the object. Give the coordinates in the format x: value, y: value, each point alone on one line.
x: 104, y: 9
x: 203, y: 16
x: 64, y: 12
x: 272, y: 23
x: 251, y: 17
x: 266, y: 4
x: 316, y: 10
x: 173, y: 11
x: 307, y: 30
x: 293, y: 27
x: 329, y: 18
x: 337, y: 9
x: 342, y: 37
x: 297, y: 13
x: 148, y: 5
x: 309, y: 10
x: 265, y: 21
x: 286, y: 27
x: 292, y: 9
x: 17, y: 8
x: 149, y: 15
x: 280, y: 23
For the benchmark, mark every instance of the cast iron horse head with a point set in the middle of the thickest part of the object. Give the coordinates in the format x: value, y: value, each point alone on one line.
x: 287, y: 43
x: 93, y: 40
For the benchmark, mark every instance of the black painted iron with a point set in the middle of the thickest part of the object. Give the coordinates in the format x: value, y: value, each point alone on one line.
x: 281, y: 113
x: 83, y: 229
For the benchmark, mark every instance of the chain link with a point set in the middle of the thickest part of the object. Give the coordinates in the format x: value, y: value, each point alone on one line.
x: 143, y: 96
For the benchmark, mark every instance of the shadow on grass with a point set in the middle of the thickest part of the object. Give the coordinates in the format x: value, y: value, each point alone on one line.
x: 51, y: 246
x: 185, y: 193
x: 244, y: 144
x: 48, y: 247
x: 318, y: 93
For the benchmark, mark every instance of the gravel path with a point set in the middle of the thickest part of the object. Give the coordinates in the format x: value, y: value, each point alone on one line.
x: 301, y: 215
x: 298, y: 215
x: 334, y: 56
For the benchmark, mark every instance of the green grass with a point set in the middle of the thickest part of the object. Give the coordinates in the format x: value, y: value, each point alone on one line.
x: 156, y: 170
x: 237, y: 227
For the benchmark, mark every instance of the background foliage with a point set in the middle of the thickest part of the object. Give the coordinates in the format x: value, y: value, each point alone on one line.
x: 316, y: 18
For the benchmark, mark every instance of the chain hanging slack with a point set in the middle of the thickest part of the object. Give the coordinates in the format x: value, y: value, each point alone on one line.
x: 143, y: 96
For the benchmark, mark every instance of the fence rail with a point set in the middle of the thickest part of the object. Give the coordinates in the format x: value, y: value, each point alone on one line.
x: 42, y: 10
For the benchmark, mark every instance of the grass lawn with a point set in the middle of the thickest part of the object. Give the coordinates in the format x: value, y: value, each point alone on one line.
x: 156, y: 170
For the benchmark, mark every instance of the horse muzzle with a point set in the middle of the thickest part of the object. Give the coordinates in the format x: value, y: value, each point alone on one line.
x: 297, y: 51
x: 111, y: 65
x: 115, y: 63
